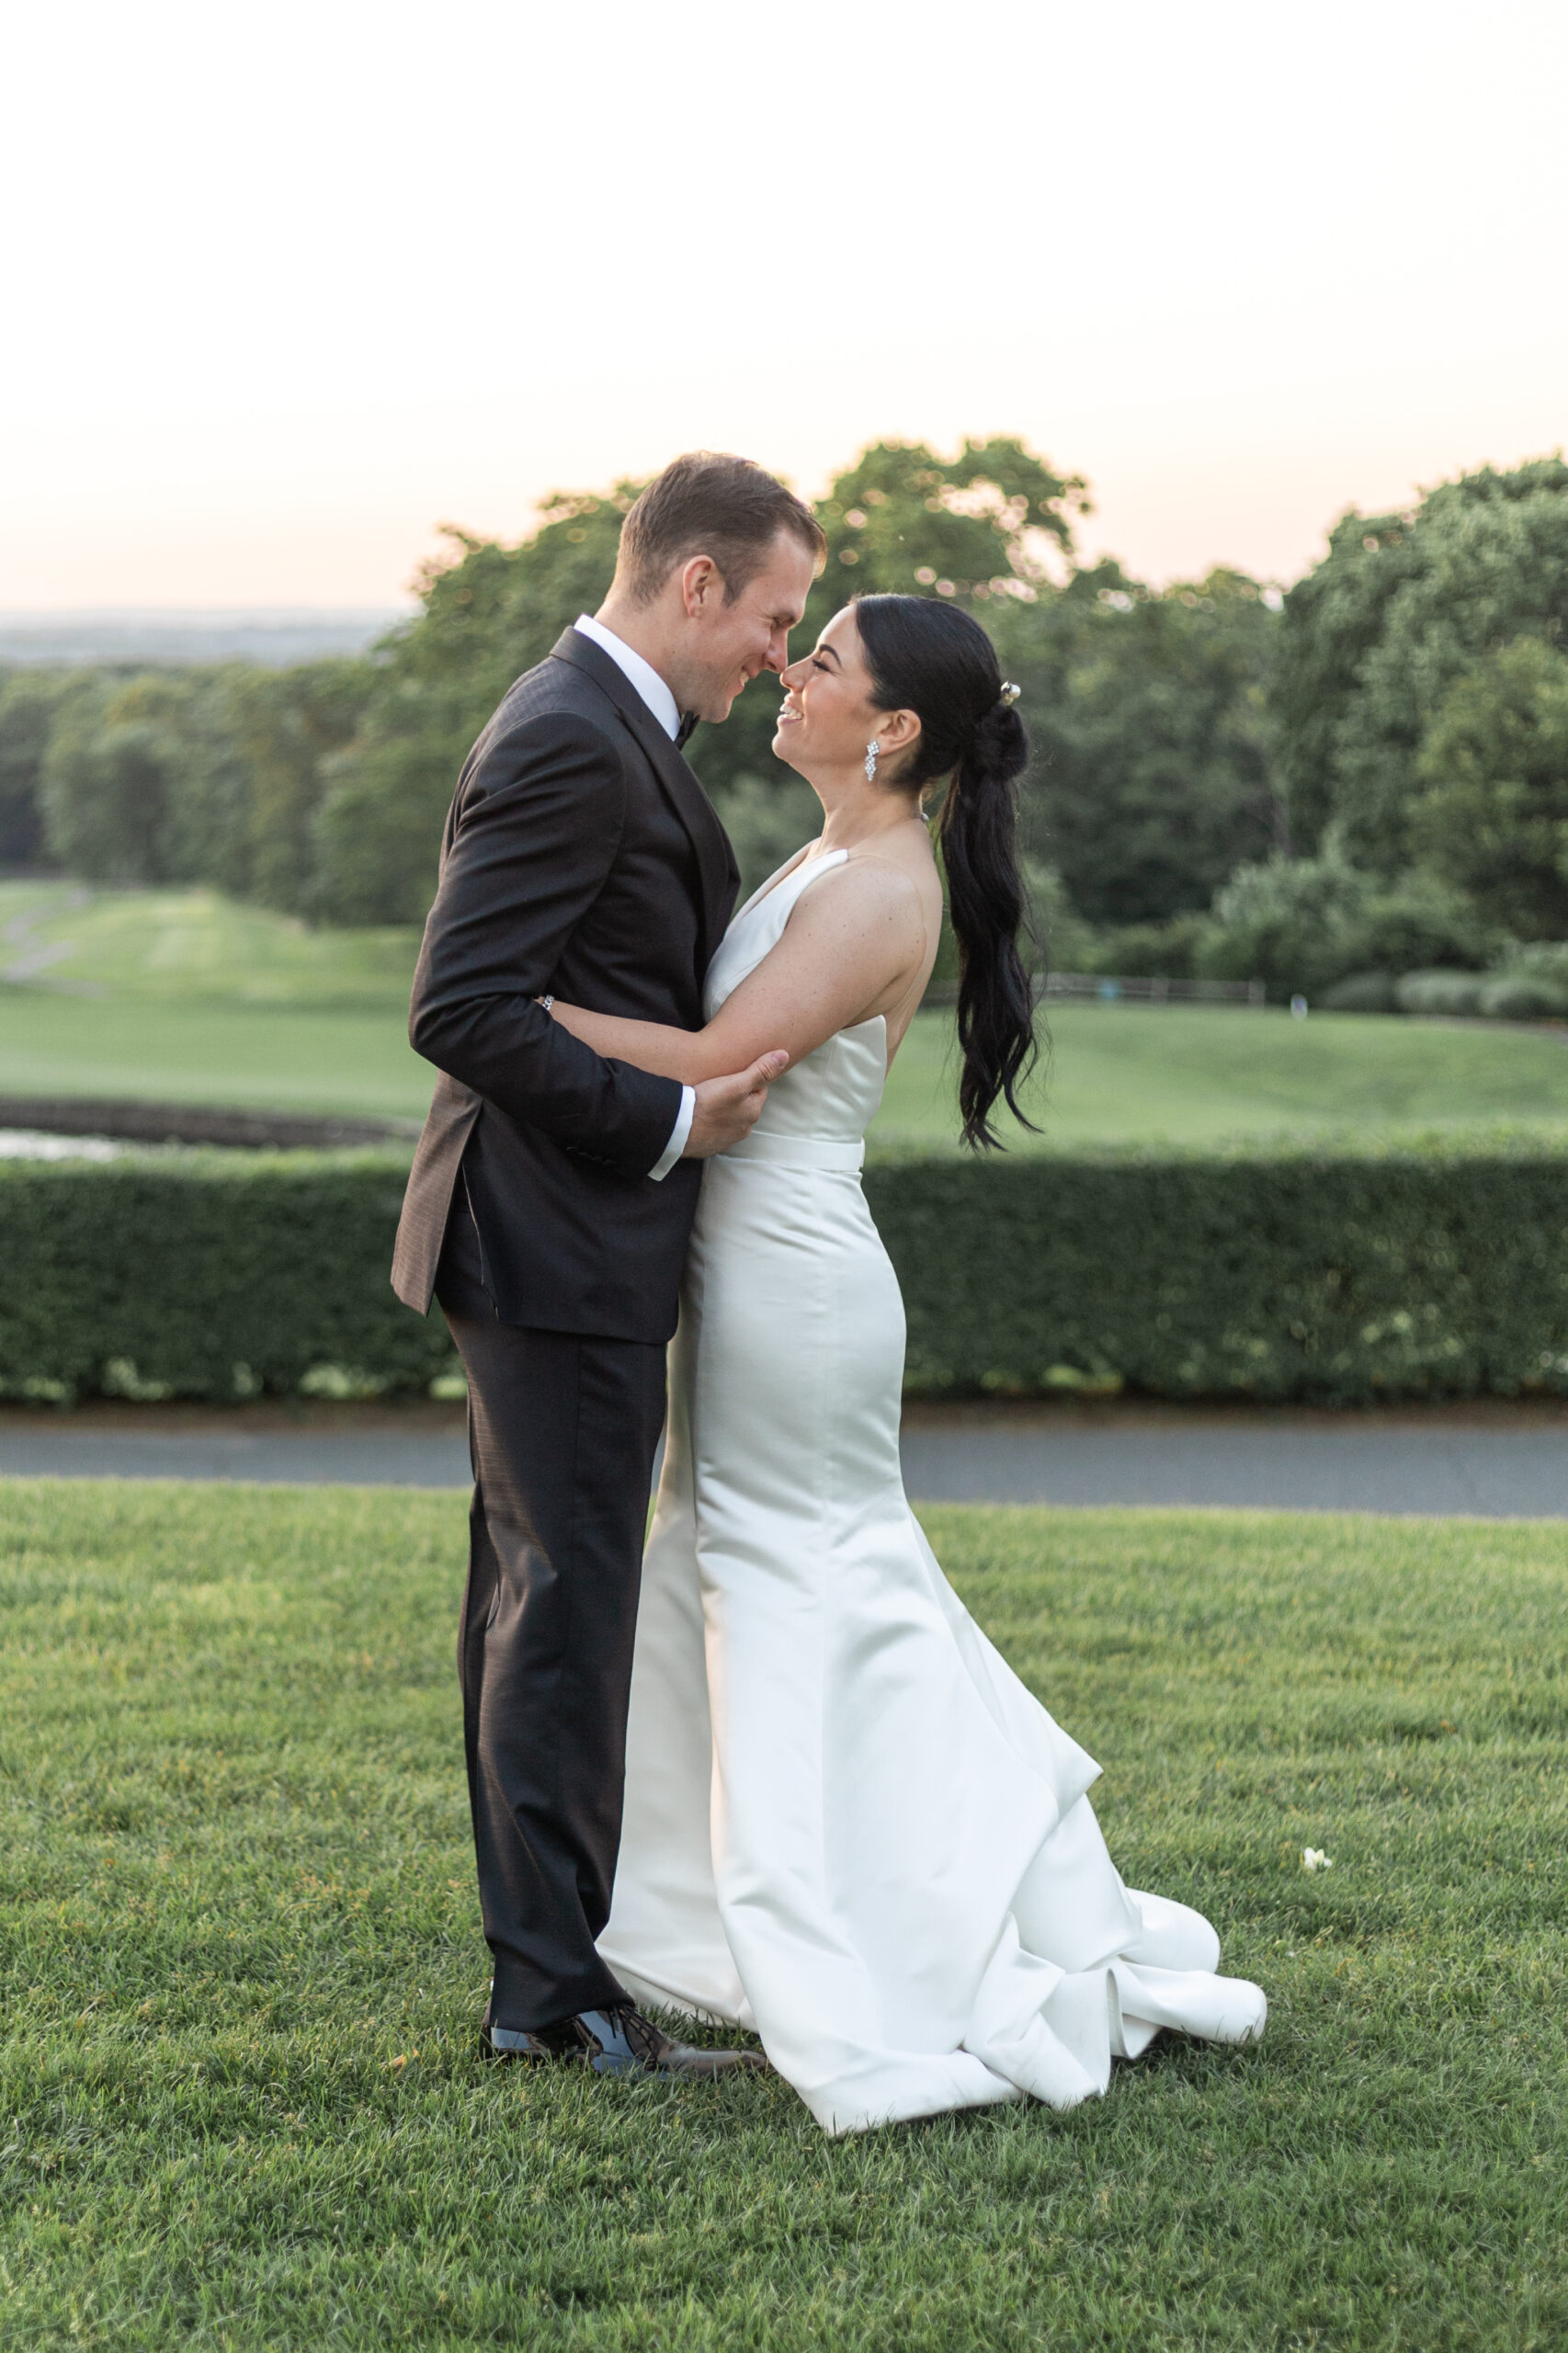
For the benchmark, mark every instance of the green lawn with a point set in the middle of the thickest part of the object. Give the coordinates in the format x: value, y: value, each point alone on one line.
x: 185, y: 997
x: 245, y: 2106
x: 269, y: 1058
x: 1200, y: 1075
x: 188, y: 947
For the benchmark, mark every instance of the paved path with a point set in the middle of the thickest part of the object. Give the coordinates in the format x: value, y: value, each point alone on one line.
x: 1487, y: 1463
x: 1274, y: 1465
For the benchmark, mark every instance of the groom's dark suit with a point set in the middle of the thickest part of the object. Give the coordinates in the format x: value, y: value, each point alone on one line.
x: 582, y: 858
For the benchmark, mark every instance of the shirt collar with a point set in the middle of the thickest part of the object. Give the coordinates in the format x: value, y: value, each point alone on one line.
x: 642, y: 675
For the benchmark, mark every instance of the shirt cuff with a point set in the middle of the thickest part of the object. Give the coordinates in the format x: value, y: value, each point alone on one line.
x: 679, y: 1134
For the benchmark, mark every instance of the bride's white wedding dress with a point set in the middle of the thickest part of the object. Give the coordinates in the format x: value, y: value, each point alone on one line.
x: 847, y: 1824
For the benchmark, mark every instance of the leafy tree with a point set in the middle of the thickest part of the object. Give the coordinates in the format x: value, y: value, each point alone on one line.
x: 1494, y: 816
x: 210, y: 834
x: 30, y: 704
x: 1168, y: 951
x: 1418, y: 922
x: 488, y: 614
x: 902, y: 519
x: 1152, y: 775
x: 108, y: 788
x: 1059, y: 940
x: 142, y: 781
x: 1294, y: 921
x: 1306, y: 923
x: 288, y: 726
x: 1374, y: 637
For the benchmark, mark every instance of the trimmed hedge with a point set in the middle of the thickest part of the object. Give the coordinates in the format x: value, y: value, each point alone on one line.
x: 209, y: 1274
x: 1294, y: 1276
x: 1334, y: 1277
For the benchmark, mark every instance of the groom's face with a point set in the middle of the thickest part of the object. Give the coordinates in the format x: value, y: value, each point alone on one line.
x: 733, y: 641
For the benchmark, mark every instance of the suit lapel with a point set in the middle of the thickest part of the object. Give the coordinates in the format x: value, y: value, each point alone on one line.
x: 715, y: 859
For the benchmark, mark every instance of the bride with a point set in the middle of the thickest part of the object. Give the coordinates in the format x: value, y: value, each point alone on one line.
x: 848, y: 1825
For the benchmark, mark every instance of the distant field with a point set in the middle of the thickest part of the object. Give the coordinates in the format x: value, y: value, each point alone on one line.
x: 183, y: 995
x: 189, y: 947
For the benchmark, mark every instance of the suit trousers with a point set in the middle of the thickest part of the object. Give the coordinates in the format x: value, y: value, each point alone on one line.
x: 562, y: 1431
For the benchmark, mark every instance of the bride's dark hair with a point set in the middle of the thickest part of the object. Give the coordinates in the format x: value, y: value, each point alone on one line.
x: 935, y: 661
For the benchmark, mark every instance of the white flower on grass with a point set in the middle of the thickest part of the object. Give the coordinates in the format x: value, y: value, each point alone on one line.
x: 1314, y: 1859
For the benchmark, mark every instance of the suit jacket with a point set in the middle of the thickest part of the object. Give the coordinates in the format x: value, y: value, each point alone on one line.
x: 581, y: 859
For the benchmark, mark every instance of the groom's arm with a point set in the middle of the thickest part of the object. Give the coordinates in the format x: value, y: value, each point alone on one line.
x: 537, y: 823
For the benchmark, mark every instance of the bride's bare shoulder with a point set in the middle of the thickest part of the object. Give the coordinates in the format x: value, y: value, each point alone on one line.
x: 894, y: 864
x: 873, y: 872
x: 875, y: 890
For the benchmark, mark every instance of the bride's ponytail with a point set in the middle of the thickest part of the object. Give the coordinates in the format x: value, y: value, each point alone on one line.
x: 985, y: 893
x: 934, y: 660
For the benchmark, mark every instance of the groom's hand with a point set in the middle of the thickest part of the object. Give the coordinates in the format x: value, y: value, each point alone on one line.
x: 728, y: 1109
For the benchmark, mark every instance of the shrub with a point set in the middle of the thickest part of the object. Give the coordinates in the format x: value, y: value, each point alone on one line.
x: 1309, y: 924
x: 1292, y: 922
x: 1420, y: 924
x: 1316, y: 1276
x: 208, y: 1273
x: 1141, y: 950
x: 1523, y: 996
x: 1541, y: 960
x: 1362, y: 992
x: 1439, y: 993
x: 1334, y: 1277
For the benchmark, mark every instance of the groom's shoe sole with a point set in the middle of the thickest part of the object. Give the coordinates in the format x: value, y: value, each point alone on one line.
x: 623, y: 2042
x: 614, y: 2043
x: 534, y: 2045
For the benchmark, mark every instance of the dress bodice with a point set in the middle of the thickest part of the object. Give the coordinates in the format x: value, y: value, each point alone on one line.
x: 831, y: 1096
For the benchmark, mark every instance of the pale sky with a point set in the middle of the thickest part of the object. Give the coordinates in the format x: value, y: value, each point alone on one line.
x: 287, y: 286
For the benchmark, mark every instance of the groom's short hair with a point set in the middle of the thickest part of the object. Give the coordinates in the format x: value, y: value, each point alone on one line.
x: 708, y: 504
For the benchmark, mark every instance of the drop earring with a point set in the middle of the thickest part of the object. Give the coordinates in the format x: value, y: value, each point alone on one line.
x: 872, y: 751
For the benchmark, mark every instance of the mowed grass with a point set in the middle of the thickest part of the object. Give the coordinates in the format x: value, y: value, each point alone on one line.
x: 266, y: 1058
x: 243, y: 1973
x: 185, y: 997
x: 194, y: 947
x: 1194, y: 1075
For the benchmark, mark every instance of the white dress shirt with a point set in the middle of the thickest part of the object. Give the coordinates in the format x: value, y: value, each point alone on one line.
x: 666, y: 711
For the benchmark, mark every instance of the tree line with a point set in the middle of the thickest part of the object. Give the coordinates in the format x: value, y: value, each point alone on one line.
x: 1365, y: 775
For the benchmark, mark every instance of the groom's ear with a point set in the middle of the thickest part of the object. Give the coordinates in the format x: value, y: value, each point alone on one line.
x: 701, y: 585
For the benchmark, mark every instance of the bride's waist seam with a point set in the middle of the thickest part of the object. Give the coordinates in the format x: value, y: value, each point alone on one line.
x: 838, y: 1153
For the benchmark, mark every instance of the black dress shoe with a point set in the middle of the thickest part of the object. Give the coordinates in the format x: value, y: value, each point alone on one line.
x: 619, y: 2041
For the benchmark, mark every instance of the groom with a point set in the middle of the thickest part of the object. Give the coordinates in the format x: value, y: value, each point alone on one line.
x: 553, y: 1194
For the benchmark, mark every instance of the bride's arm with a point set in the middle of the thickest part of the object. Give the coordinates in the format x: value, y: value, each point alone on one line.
x: 855, y: 939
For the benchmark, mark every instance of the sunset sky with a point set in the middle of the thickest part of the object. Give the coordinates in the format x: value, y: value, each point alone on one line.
x: 287, y: 287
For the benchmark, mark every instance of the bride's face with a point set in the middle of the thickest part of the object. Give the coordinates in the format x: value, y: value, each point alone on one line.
x: 829, y: 716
